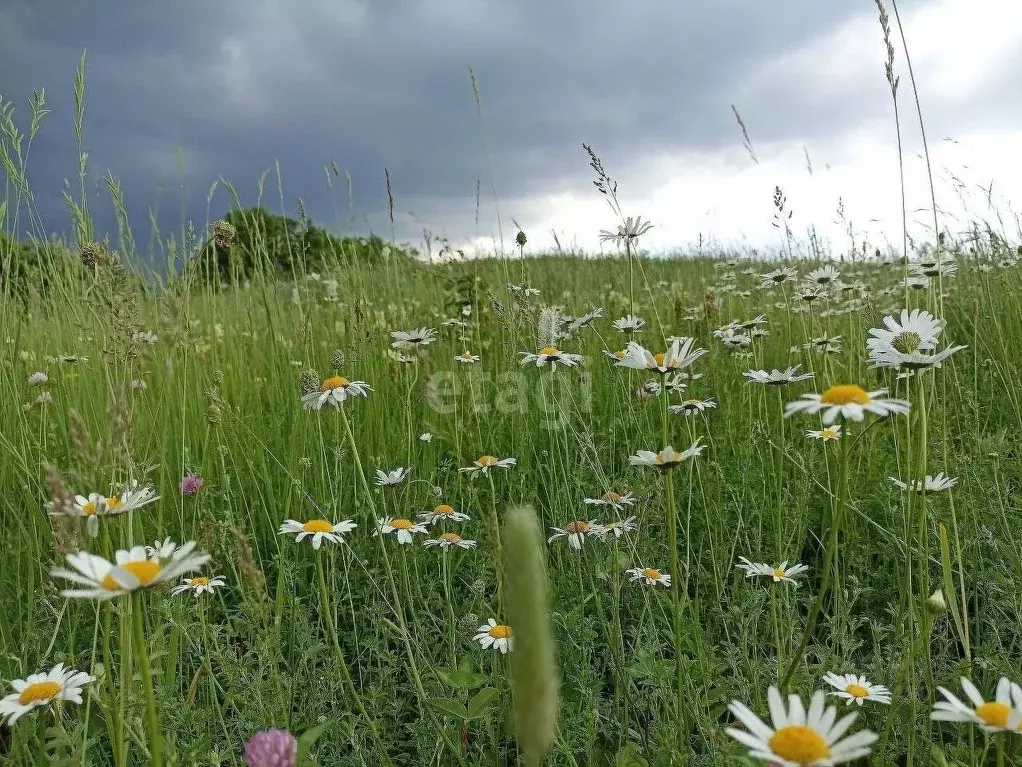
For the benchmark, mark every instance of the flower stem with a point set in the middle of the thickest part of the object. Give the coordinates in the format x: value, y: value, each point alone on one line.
x: 152, y: 720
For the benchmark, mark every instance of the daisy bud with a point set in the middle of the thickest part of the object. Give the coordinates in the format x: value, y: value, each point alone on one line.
x: 935, y: 604
x: 533, y: 667
x: 271, y: 748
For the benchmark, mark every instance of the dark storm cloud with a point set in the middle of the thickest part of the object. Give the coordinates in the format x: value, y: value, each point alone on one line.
x: 236, y: 85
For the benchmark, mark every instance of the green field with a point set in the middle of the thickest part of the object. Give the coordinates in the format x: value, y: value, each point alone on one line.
x: 646, y: 673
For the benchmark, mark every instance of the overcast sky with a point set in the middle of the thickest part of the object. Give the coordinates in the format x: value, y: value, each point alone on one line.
x: 234, y: 86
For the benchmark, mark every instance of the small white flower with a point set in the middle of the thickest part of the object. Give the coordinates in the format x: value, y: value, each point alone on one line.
x: 629, y: 324
x: 551, y: 355
x: 650, y: 576
x: 780, y: 573
x: 848, y: 401
x: 825, y: 434
x: 448, y: 540
x: 937, y: 484
x: 616, y: 501
x: 618, y: 527
x: 57, y: 685
x: 484, y: 463
x: 1003, y: 714
x: 412, y: 339
x: 199, y: 585
x: 318, y: 529
x: 799, y: 737
x: 778, y: 377
x: 667, y: 458
x: 467, y: 358
x: 495, y: 635
x: 334, y: 391
x: 425, y: 437
x: 395, y: 477
x: 38, y: 378
x: 693, y: 406
x: 131, y: 570
x: 576, y: 532
x: 403, y: 529
x: 856, y: 689
x: 443, y: 513
x: 678, y: 356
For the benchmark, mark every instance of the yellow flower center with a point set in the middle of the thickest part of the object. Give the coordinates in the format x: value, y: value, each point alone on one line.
x: 779, y: 573
x: 549, y: 351
x: 857, y: 691
x: 466, y: 355
x: 486, y: 460
x: 89, y: 509
x: 576, y: 527
x: 443, y: 510
x: 653, y: 575
x: 318, y: 526
x: 845, y: 394
x: 800, y: 744
x: 500, y: 632
x: 450, y: 537
x: 334, y: 382
x: 659, y: 357
x: 39, y: 691
x: 200, y: 581
x: 112, y: 504
x: 829, y: 433
x: 690, y: 403
x: 611, y: 497
x: 145, y: 570
x: 995, y: 714
x: 402, y: 524
x: 619, y: 355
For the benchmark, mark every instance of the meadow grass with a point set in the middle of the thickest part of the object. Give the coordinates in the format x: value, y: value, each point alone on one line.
x: 299, y: 638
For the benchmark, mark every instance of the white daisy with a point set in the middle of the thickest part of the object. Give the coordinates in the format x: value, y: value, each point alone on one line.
x: 825, y: 275
x: 395, y: 477
x: 778, y: 277
x: 630, y: 229
x: 693, y: 406
x: 57, y: 685
x: 551, y: 355
x: 937, y: 484
x: 826, y: 434
x: 425, y: 437
x: 334, y: 391
x: 1002, y: 714
x: 650, y: 576
x: 484, y: 463
x: 777, y: 377
x: 616, y: 356
x: 576, y: 532
x: 618, y: 527
x: 131, y: 570
x: 667, y: 458
x: 629, y: 324
x: 917, y: 328
x: 199, y: 585
x: 447, y: 540
x: 849, y: 401
x: 616, y: 501
x: 403, y: 529
x: 800, y: 738
x: 443, y: 513
x: 411, y: 339
x: 318, y: 529
x: 909, y: 359
x: 856, y: 689
x: 780, y: 573
x: 495, y: 635
x: 678, y: 356
x: 467, y: 358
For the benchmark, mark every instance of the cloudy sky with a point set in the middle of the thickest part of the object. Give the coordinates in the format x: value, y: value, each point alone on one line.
x: 182, y: 93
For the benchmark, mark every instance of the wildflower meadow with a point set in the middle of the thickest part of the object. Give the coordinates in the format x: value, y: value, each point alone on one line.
x: 299, y: 500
